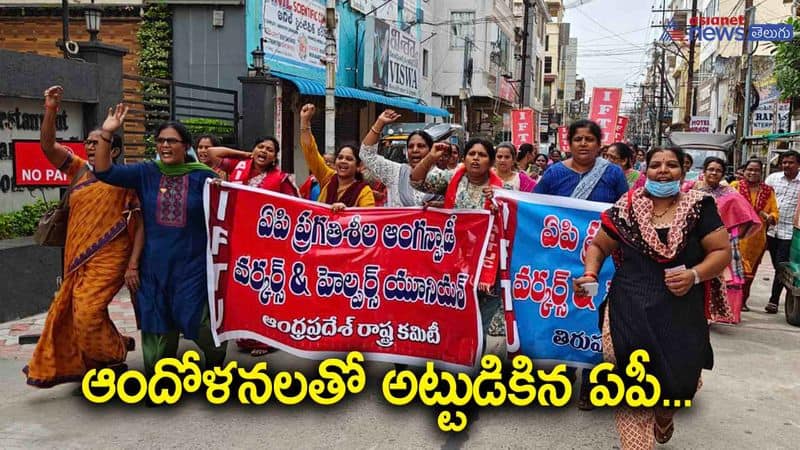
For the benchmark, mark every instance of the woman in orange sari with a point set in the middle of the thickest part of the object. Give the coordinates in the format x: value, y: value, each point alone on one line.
x: 78, y: 334
x: 763, y: 199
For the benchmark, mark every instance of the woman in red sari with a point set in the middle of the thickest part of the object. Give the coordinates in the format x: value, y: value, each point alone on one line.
x: 257, y: 169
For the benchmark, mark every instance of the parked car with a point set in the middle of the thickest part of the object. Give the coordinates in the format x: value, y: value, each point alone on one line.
x: 393, y: 140
x: 701, y: 146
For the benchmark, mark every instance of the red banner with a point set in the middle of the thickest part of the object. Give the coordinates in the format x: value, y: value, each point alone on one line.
x: 619, y: 132
x: 604, y: 110
x: 563, y: 139
x: 31, y: 167
x: 395, y: 284
x: 523, y: 127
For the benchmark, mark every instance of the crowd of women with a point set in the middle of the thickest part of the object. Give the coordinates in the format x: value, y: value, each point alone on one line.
x: 675, y: 245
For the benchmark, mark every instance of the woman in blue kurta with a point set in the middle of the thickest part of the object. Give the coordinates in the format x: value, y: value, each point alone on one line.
x: 173, y: 296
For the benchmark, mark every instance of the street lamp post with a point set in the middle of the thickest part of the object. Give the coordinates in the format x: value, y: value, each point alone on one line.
x: 93, y: 15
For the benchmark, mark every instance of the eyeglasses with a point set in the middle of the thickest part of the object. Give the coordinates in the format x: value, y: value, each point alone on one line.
x: 168, y: 141
x: 89, y: 142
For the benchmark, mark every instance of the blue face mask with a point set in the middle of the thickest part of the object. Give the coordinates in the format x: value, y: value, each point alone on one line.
x: 662, y: 189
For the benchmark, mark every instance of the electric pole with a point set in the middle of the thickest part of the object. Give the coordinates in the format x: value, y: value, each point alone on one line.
x: 687, y: 117
x: 466, y: 82
x: 742, y: 102
x: 330, y: 77
x: 525, y: 68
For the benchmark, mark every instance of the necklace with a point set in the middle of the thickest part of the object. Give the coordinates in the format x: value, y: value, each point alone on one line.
x: 658, y: 216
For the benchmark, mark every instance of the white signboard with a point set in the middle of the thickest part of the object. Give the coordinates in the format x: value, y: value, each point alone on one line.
x: 700, y: 124
x: 294, y: 32
x: 391, y: 59
x: 22, y: 119
x: 769, y: 118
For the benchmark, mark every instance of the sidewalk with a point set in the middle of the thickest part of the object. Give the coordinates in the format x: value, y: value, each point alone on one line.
x: 120, y: 309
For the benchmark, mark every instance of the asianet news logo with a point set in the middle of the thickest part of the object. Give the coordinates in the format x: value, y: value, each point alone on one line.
x: 727, y: 29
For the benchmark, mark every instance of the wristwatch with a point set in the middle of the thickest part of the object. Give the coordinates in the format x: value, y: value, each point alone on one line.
x: 696, y: 276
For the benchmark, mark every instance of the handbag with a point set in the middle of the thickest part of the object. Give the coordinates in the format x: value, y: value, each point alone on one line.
x: 52, y: 228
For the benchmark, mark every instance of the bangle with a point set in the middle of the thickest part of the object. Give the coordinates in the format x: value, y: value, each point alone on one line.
x: 375, y: 131
x: 697, y: 279
x: 590, y: 275
x: 103, y: 136
x: 305, y: 129
x: 133, y: 268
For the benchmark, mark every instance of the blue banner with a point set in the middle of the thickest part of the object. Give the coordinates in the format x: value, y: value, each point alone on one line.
x: 546, y: 239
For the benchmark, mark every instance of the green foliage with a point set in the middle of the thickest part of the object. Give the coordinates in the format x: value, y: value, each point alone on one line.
x: 787, y: 63
x: 155, y: 54
x: 23, y: 222
x: 217, y: 127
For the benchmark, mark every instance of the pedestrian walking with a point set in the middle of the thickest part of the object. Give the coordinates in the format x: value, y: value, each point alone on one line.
x: 78, y: 333
x: 779, y: 237
x: 765, y: 204
x: 173, y: 296
x: 669, y: 249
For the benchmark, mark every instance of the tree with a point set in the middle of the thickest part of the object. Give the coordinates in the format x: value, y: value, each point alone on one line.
x: 787, y: 63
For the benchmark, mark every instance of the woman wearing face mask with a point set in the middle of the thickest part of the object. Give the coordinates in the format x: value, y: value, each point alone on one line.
x: 513, y: 179
x: 258, y: 168
x: 201, y: 145
x: 342, y: 186
x: 539, y: 166
x: 396, y: 176
x: 739, y: 218
x: 765, y: 204
x: 467, y: 187
x: 173, y: 292
x: 669, y: 249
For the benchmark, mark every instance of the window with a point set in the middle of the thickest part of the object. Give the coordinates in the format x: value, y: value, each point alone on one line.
x: 548, y: 64
x: 503, y: 50
x: 547, y: 43
x: 424, y: 62
x: 462, y: 27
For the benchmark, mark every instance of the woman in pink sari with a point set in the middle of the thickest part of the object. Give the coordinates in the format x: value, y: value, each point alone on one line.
x: 740, y: 220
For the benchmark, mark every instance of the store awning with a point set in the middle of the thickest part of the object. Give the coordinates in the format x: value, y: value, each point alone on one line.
x: 312, y: 87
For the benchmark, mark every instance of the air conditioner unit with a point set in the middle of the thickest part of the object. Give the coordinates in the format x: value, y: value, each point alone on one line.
x: 448, y: 102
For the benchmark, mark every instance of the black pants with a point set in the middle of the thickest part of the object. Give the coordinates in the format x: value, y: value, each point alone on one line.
x: 778, y: 253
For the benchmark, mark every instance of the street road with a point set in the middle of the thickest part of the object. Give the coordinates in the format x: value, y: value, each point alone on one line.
x: 750, y: 400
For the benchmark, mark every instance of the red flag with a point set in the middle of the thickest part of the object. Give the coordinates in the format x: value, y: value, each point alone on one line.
x: 604, y: 111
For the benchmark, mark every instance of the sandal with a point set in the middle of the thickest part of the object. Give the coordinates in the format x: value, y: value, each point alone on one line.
x: 745, y: 308
x: 663, y: 434
x: 130, y: 343
x: 771, y: 308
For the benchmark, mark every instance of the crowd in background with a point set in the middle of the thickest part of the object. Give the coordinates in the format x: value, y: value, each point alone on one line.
x: 686, y: 252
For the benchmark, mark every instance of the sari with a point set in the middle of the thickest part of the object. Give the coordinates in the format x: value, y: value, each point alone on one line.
x: 741, y: 221
x: 78, y: 333
x: 752, y: 247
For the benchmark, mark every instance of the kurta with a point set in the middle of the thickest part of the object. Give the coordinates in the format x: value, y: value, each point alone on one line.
x: 174, y: 290
x: 644, y: 314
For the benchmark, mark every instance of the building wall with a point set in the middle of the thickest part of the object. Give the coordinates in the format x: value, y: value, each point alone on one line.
x: 207, y: 55
x: 39, y: 35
